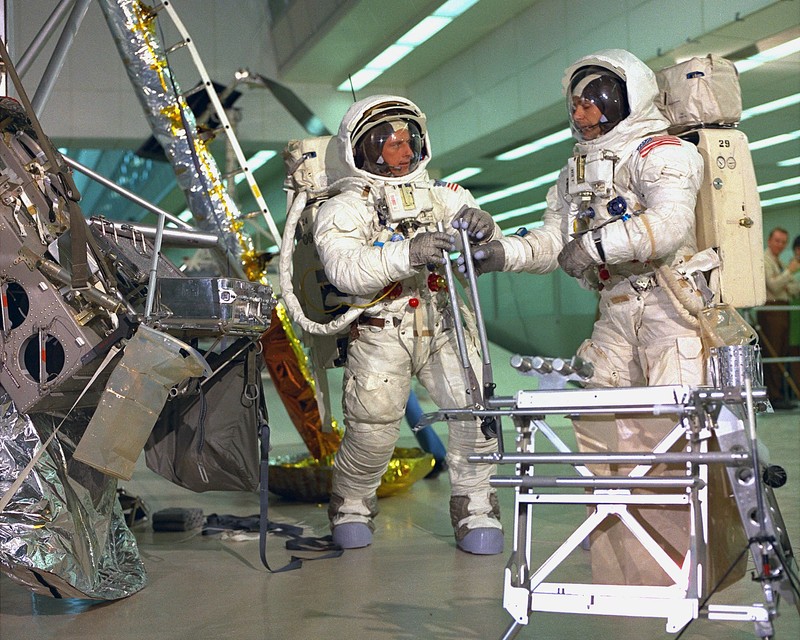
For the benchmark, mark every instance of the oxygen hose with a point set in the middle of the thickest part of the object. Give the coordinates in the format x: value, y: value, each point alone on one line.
x: 285, y: 278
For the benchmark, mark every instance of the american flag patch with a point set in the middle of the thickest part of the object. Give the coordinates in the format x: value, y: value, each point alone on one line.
x: 656, y: 141
x: 447, y: 185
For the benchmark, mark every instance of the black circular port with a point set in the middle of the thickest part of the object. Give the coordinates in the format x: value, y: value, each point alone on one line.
x: 51, y: 356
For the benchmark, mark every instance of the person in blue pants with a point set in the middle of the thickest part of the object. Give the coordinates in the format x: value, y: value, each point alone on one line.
x: 428, y: 438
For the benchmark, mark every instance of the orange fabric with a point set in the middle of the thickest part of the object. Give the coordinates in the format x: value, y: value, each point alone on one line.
x: 295, y: 391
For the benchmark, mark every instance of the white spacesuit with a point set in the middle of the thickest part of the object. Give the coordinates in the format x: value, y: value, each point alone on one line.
x: 378, y: 240
x: 621, y: 219
x: 634, y: 211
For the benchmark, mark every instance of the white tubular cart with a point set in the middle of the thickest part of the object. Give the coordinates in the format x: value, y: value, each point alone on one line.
x: 727, y: 412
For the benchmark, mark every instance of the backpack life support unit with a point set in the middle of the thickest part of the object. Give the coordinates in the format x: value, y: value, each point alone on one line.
x: 701, y: 98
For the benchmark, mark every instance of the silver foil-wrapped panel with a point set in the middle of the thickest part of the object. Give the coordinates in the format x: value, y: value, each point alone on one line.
x: 62, y: 533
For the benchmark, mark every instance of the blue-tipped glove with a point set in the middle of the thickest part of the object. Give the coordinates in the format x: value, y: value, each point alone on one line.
x: 488, y: 257
x: 478, y: 223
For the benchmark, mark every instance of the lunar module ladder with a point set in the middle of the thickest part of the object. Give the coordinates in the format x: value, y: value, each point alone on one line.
x: 701, y: 410
x: 219, y: 111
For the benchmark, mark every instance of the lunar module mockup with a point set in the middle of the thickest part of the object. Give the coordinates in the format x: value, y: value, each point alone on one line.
x: 107, y: 348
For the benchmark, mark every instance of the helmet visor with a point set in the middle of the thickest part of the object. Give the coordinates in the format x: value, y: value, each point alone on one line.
x: 597, y: 101
x: 392, y: 148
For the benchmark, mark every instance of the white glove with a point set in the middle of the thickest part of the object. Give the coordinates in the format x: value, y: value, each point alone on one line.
x: 478, y: 223
x: 426, y: 248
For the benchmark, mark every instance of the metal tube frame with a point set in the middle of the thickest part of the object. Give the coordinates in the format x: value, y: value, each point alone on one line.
x: 110, y: 184
x: 474, y: 391
x: 59, y: 54
x: 700, y: 411
x: 43, y: 35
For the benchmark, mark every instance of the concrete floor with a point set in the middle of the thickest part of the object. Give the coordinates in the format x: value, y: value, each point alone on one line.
x: 411, y: 583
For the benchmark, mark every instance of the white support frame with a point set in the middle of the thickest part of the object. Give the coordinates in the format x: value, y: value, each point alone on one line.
x: 525, y: 587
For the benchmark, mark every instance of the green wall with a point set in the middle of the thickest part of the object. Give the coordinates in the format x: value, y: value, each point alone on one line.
x: 544, y: 315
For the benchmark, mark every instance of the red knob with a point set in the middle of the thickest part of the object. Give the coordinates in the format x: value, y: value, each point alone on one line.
x: 437, y: 282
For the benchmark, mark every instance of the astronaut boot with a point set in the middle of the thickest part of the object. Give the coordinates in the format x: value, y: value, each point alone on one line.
x: 351, y: 521
x: 476, y: 522
x: 352, y: 535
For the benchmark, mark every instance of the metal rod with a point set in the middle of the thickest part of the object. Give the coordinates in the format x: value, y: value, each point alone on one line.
x: 476, y: 304
x: 490, y: 426
x: 759, y: 489
x: 607, y: 482
x: 498, y: 402
x: 567, y: 410
x: 173, y: 237
x: 715, y: 457
x: 512, y: 631
x: 59, y: 54
x: 41, y: 38
x: 456, y: 311
x: 151, y: 285
x: 124, y: 192
x: 473, y: 388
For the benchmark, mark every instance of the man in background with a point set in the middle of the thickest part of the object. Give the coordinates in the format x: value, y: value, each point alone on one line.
x: 782, y: 285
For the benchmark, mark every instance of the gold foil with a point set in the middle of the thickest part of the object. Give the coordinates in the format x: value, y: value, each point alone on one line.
x: 297, y: 347
x: 305, y: 479
x: 405, y: 468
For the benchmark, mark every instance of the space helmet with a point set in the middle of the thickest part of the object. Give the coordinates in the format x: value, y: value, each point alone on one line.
x: 603, y: 88
x: 389, y: 120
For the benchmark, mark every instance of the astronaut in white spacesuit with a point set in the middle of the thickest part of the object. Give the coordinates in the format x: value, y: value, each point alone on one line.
x: 380, y: 240
x: 622, y: 207
x: 621, y: 213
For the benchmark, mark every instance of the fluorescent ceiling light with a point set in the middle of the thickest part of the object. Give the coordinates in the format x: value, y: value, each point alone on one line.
x: 405, y: 44
x: 454, y: 8
x: 425, y: 30
x: 536, y: 145
x: 392, y: 54
x: 768, y: 107
x: 360, y: 79
x: 521, y: 211
x: 257, y: 161
x: 771, y: 142
x: 518, y: 188
x: 462, y: 174
x: 780, y: 200
x: 781, y: 184
x: 789, y: 162
x: 775, y: 53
